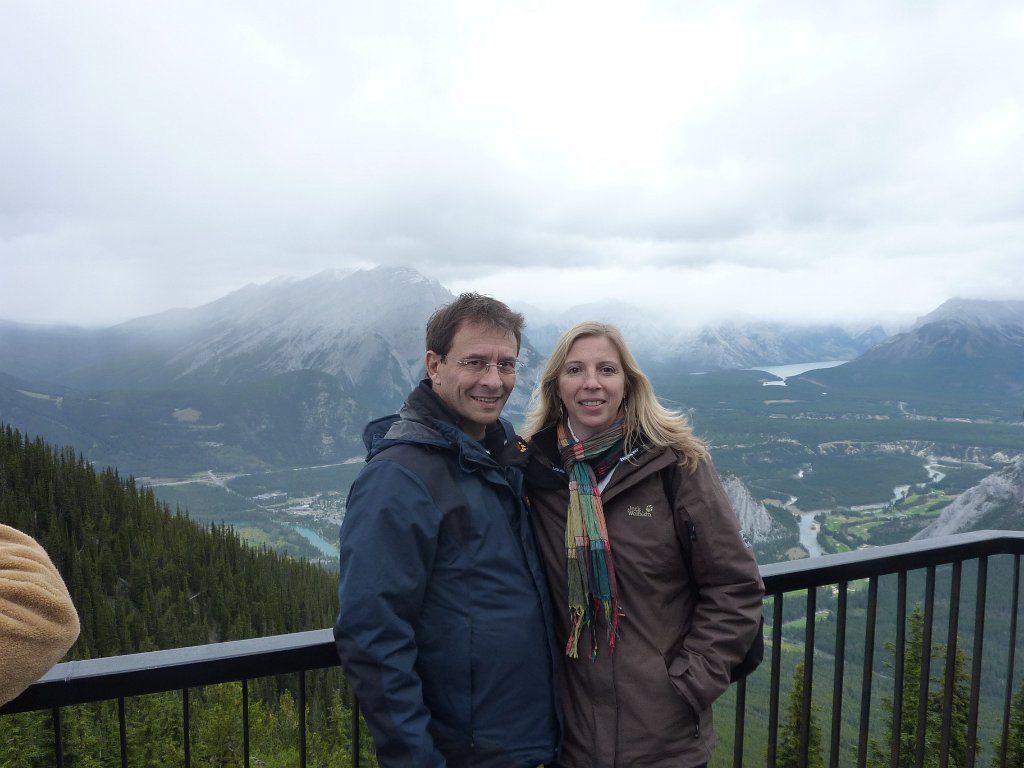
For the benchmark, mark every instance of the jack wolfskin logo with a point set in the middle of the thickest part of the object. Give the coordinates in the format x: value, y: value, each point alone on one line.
x: 634, y: 511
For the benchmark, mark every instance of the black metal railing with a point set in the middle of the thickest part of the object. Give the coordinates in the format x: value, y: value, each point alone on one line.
x: 843, y: 617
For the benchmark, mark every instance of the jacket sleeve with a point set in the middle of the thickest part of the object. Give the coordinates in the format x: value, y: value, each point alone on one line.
x: 728, y: 612
x: 38, y: 622
x: 388, y: 544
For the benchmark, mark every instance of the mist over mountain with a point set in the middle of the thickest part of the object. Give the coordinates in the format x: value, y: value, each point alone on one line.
x: 366, y: 328
x: 655, y: 339
x: 286, y: 373
x: 279, y: 374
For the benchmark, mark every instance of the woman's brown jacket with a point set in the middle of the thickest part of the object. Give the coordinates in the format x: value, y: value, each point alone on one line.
x: 649, y: 702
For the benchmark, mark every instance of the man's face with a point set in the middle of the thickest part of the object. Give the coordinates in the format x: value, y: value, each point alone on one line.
x: 477, y: 398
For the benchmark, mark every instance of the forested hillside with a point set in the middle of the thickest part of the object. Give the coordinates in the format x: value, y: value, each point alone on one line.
x: 144, y: 577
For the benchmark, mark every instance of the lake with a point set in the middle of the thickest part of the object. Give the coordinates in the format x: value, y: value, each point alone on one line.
x: 793, y: 369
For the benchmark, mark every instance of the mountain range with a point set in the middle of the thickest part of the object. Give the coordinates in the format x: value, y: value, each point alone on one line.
x: 286, y: 373
x: 966, y: 359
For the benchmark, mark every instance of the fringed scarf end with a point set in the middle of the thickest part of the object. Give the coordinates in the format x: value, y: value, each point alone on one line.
x: 572, y: 648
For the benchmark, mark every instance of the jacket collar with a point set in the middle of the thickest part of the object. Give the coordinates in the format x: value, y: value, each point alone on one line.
x: 426, y: 418
x: 545, y: 469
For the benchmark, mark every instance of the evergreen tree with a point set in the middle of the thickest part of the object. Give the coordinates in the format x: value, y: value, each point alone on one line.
x: 145, y: 578
x: 935, y: 722
x: 789, y: 755
x: 1014, y: 736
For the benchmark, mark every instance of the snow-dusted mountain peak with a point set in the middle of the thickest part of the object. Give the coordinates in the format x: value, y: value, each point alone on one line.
x: 994, y: 314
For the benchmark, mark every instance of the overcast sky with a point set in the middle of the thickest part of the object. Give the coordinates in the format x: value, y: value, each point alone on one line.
x: 794, y: 160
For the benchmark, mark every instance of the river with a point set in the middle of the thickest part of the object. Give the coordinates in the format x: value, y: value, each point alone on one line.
x: 809, y: 527
x: 318, y: 541
x: 809, y: 534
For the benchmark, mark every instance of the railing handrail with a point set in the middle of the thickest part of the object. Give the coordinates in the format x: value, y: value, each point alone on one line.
x: 78, y: 682
x: 888, y: 559
x: 135, y: 674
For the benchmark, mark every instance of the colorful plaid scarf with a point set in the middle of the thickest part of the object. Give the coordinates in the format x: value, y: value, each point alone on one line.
x: 591, y: 569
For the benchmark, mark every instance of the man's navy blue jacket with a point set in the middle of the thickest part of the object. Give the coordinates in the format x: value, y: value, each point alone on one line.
x: 444, y: 625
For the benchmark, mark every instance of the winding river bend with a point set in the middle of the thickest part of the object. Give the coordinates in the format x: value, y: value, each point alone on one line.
x: 809, y: 526
x: 809, y: 534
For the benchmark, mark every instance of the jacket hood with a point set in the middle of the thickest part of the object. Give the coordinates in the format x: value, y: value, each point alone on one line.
x: 427, y: 420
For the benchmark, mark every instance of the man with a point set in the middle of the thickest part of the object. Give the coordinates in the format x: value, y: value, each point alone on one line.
x: 444, y: 628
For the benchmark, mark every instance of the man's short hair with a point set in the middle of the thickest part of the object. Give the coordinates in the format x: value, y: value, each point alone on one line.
x: 470, y: 308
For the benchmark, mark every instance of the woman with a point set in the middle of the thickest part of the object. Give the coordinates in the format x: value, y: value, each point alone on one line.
x: 632, y: 520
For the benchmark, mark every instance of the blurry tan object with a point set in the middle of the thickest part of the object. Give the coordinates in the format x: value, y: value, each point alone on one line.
x: 38, y: 621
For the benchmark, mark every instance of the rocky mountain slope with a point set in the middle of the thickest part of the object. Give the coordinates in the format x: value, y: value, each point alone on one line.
x: 759, y: 526
x: 997, y: 502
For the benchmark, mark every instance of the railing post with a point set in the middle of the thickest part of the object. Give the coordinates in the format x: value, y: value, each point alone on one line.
x: 302, y: 719
x: 951, y: 646
x: 245, y: 723
x: 900, y: 672
x: 741, y: 707
x: 58, y: 737
x: 186, y: 727
x: 805, y: 703
x: 979, y: 641
x: 773, y: 705
x: 122, y: 728
x: 1010, y: 658
x: 869, y: 663
x: 837, y: 681
x: 926, y: 662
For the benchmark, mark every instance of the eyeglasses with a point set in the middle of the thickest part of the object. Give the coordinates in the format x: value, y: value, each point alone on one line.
x: 479, y: 367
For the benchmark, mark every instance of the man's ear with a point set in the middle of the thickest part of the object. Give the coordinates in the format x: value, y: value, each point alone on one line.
x: 433, y: 360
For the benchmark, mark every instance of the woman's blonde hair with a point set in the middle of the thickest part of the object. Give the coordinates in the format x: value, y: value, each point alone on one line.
x: 647, y: 421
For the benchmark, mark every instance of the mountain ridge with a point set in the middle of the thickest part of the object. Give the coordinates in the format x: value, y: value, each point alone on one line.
x: 313, y: 358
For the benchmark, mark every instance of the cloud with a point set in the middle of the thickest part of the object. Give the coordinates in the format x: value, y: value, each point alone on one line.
x: 778, y: 158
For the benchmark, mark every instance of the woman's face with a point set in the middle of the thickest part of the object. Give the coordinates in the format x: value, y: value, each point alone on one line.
x: 592, y: 385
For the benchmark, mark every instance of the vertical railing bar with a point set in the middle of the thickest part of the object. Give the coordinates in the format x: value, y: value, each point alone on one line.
x: 355, y: 732
x: 186, y: 727
x: 837, y: 682
x: 245, y: 723
x: 897, y: 695
x: 122, y: 728
x: 302, y: 718
x: 741, y: 706
x: 805, y: 703
x: 773, y: 695
x: 58, y: 737
x: 926, y: 661
x: 776, y: 662
x: 869, y: 662
x: 953, y: 626
x: 979, y: 640
x: 1008, y: 696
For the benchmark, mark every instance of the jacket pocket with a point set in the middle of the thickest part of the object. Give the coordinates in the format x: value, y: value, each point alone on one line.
x: 657, y: 720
